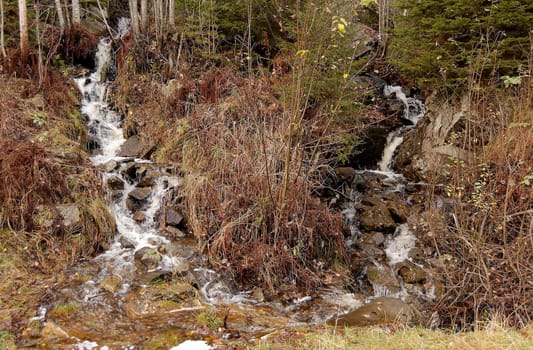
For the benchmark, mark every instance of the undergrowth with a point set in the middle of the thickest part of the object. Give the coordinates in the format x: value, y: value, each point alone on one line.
x: 484, y: 232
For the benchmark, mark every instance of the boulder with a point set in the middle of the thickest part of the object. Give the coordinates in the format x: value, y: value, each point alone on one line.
x: 133, y: 147
x: 346, y: 174
x: 139, y: 217
x: 399, y: 211
x: 147, y: 258
x: 140, y: 193
x: 382, y: 277
x: 378, y: 311
x: 70, y: 214
x: 173, y: 217
x: 411, y: 272
x: 126, y: 243
x: 426, y: 148
x: 110, y: 166
x: 375, y: 216
x: 149, y: 178
x: 115, y: 183
x: 173, y: 232
x: 111, y: 284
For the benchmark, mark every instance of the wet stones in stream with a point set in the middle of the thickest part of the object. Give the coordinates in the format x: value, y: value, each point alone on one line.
x: 378, y: 311
x: 115, y: 183
x: 137, y: 197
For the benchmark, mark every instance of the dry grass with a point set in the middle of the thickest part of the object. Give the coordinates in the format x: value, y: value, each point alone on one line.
x: 491, y: 337
x: 41, y: 166
x: 484, y: 232
x: 235, y: 158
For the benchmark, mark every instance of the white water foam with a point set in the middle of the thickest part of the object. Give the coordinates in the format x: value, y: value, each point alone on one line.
x: 105, y: 127
x: 414, y: 108
x: 192, y: 345
x: 393, y: 141
x: 398, y: 247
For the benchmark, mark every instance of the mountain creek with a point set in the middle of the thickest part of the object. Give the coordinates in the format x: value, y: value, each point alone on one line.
x: 153, y: 287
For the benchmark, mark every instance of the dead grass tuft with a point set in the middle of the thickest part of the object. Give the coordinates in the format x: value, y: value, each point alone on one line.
x: 235, y: 159
x: 29, y: 177
x: 485, y: 231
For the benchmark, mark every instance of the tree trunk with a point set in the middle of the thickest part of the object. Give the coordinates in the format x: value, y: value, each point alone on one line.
x: 59, y: 10
x: 2, y: 39
x: 171, y: 13
x: 23, y: 26
x: 144, y: 15
x: 76, y: 16
x: 134, y: 15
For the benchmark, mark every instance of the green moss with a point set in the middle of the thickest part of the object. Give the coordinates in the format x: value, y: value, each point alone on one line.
x: 64, y: 311
x: 209, y: 319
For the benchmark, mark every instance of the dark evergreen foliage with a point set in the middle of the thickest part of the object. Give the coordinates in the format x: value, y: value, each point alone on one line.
x: 443, y: 39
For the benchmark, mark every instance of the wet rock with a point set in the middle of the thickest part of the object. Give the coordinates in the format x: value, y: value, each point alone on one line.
x: 173, y: 232
x: 115, y: 183
x: 111, y: 284
x: 133, y: 147
x: 137, y: 197
x: 147, y: 258
x: 382, y: 276
x: 136, y: 171
x: 173, y: 217
x: 126, y: 243
x: 346, y: 174
x: 375, y: 216
x: 139, y: 217
x: 70, y: 214
x: 52, y: 331
x: 378, y: 311
x: 149, y: 179
x: 371, y: 148
x: 376, y: 238
x: 426, y: 148
x: 369, y: 251
x: 399, y: 211
x: 140, y: 193
x: 110, y: 166
x: 411, y: 273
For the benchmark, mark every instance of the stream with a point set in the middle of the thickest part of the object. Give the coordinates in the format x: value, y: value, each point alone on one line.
x: 120, y: 300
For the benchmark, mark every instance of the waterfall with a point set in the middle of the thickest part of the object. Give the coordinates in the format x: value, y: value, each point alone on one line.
x: 414, y: 110
x: 105, y: 129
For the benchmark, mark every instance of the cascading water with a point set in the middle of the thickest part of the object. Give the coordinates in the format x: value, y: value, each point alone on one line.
x: 414, y: 110
x: 396, y: 246
x: 105, y: 129
x: 134, y: 236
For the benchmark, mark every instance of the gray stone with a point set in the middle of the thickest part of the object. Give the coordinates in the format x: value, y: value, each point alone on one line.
x: 378, y: 311
x: 70, y: 214
x: 411, y: 272
x: 375, y: 216
x: 133, y: 147
x: 173, y: 232
x: 140, y: 193
x: 110, y: 166
x: 126, y: 243
x: 147, y: 258
x: 149, y: 179
x: 382, y: 276
x: 139, y: 217
x: 115, y: 183
x: 173, y: 217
